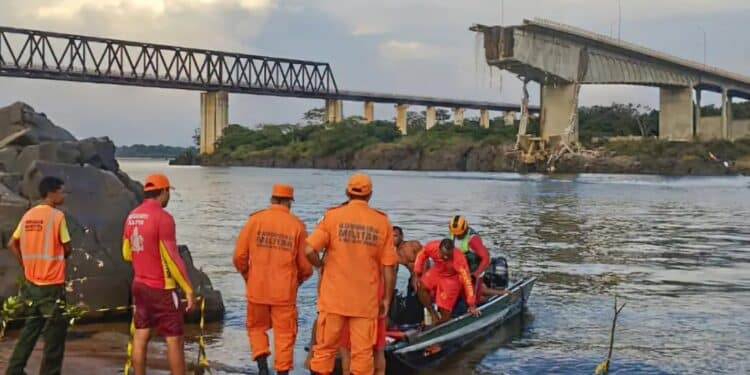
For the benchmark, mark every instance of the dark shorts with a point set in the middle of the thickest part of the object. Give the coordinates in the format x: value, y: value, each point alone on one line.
x: 158, y: 309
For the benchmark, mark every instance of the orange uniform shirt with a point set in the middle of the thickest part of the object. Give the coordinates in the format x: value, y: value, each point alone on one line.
x: 359, y: 242
x: 271, y: 251
x: 42, y: 233
x: 456, y: 267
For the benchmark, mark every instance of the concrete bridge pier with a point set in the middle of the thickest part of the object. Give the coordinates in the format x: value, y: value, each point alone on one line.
x: 430, y: 117
x: 369, y: 112
x: 676, y: 114
x: 559, y: 107
x: 401, y: 117
x: 509, y: 118
x: 334, y: 111
x: 484, y: 118
x: 214, y: 119
x: 458, y: 116
x: 726, y: 115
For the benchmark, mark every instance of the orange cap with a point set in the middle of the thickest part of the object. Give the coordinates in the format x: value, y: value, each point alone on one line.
x: 283, y: 191
x: 359, y: 185
x: 156, y: 182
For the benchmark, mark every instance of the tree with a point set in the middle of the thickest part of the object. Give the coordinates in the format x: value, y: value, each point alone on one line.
x: 315, y: 116
x: 197, y: 137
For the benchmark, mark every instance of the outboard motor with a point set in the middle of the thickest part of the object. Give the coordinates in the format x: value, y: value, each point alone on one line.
x: 497, y: 277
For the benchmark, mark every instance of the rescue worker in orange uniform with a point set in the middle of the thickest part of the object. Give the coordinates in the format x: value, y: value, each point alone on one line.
x: 468, y: 241
x: 149, y: 242
x: 41, y: 243
x: 359, y: 252
x: 270, y: 255
x: 443, y: 282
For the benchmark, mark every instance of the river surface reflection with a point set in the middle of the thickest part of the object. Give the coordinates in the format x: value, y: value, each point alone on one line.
x: 675, y: 249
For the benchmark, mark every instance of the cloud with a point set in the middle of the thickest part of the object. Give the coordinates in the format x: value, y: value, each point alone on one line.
x: 420, y: 47
x: 407, y: 50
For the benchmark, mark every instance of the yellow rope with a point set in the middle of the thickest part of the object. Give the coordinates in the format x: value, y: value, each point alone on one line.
x: 202, y: 358
x: 129, y: 360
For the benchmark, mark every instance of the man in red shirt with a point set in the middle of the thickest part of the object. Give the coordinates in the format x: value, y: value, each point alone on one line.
x: 443, y: 282
x: 150, y: 244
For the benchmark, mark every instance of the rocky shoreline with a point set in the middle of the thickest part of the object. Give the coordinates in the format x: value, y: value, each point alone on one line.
x: 487, y: 158
x: 100, y: 196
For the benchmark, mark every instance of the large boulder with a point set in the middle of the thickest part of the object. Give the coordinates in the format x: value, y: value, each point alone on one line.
x: 99, y: 152
x: 99, y: 197
x: 19, y: 116
x: 12, y: 208
x: 96, y: 198
x: 57, y: 152
x: 8, y: 156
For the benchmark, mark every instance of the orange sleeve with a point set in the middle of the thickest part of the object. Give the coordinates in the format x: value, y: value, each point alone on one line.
x: 462, y: 267
x: 388, y: 256
x: 422, y: 257
x: 241, y: 257
x: 320, y: 238
x: 304, y: 268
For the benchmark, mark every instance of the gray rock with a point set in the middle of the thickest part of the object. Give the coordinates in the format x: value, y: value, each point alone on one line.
x: 19, y: 116
x: 96, y: 198
x: 99, y: 152
x: 8, y: 156
x: 12, y: 181
x: 10, y: 270
x: 56, y: 152
x: 12, y: 208
x: 202, y: 286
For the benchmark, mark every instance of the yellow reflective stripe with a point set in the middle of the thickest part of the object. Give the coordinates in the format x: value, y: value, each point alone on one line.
x: 64, y: 233
x: 48, y: 229
x: 174, y: 271
x: 44, y: 257
x: 127, y: 254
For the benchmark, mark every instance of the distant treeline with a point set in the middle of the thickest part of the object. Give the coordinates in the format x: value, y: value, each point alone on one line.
x: 150, y: 151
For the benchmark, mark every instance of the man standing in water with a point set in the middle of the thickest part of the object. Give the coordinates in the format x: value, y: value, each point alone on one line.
x: 359, y: 252
x: 270, y: 255
x: 150, y: 244
x: 41, y: 243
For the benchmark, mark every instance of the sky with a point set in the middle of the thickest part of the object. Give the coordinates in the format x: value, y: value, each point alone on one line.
x: 415, y: 47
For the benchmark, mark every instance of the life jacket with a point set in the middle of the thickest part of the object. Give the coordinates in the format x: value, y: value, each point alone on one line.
x: 471, y: 257
x: 41, y: 249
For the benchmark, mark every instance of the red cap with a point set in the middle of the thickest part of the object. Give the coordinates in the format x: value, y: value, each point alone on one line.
x: 156, y: 182
x: 283, y: 191
x: 359, y: 185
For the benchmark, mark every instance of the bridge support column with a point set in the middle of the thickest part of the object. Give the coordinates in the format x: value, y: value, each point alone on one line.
x: 458, y: 116
x: 369, y: 112
x: 559, y: 106
x: 510, y: 118
x: 484, y: 118
x: 214, y: 118
x: 676, y: 114
x: 430, y: 117
x: 334, y: 111
x: 401, y: 117
x: 726, y: 115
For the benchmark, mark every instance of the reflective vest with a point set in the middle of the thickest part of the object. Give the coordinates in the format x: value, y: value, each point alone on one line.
x: 463, y: 245
x: 41, y: 248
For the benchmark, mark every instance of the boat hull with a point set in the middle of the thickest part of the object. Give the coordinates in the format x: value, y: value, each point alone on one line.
x: 428, y: 348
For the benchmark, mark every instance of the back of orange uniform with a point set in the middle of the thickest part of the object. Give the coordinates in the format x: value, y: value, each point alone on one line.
x: 358, y: 242
x: 270, y: 250
x: 42, y: 233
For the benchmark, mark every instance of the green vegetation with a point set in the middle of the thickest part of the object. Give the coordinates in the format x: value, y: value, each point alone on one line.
x: 342, y: 140
x: 149, y: 151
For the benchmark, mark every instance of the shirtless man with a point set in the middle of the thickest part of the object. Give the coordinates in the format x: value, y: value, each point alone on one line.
x: 406, y: 250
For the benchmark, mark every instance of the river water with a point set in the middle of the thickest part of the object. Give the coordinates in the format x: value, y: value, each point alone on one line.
x: 676, y: 250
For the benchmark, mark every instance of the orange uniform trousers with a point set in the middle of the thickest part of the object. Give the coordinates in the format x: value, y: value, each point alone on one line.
x: 283, y: 320
x: 328, y: 331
